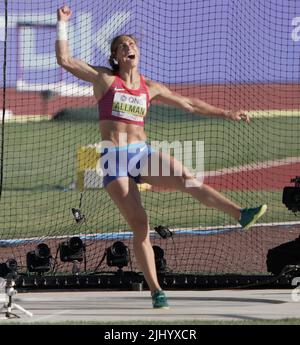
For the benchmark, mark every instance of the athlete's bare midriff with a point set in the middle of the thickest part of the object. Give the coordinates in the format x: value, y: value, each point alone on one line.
x: 120, y: 133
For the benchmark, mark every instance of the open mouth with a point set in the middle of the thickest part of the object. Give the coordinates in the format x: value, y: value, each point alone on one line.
x: 131, y: 56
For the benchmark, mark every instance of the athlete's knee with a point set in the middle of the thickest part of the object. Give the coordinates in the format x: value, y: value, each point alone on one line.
x: 139, y: 221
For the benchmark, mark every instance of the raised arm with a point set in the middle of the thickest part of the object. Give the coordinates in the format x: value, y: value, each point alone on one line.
x: 79, y: 68
x: 192, y: 105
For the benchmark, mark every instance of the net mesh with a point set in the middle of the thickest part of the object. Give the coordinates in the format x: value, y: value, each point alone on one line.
x: 233, y: 54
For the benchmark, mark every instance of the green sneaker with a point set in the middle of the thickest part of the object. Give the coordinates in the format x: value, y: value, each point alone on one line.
x: 159, y: 300
x: 249, y: 216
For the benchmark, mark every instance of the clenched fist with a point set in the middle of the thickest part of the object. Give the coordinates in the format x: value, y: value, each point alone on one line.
x: 64, y: 13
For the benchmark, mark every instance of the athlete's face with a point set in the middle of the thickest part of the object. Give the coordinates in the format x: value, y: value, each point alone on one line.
x: 127, y: 53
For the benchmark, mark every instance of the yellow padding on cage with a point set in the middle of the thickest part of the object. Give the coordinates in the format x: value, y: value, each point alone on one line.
x: 87, y: 158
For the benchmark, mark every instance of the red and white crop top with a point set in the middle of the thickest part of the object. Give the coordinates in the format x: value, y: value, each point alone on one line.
x: 120, y: 103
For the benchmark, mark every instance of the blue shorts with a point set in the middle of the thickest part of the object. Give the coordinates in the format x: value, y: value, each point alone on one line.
x: 122, y: 161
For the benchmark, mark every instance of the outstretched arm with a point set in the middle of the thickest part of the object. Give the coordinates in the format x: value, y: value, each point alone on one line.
x: 79, y: 68
x: 193, y: 105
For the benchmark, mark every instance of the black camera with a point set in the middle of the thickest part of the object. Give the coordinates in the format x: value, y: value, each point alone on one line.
x: 77, y: 215
x: 285, y: 254
x: 39, y: 260
x: 291, y: 196
x: 117, y: 255
x: 72, y: 250
x: 9, y: 267
x: 160, y: 261
x: 163, y: 231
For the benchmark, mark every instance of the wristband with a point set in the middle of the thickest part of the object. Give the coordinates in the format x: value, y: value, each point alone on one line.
x: 61, y: 30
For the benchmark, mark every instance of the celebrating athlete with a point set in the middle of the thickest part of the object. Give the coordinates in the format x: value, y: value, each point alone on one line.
x: 116, y: 89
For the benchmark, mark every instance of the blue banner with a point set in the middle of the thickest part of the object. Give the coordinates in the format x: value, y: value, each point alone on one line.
x: 194, y: 42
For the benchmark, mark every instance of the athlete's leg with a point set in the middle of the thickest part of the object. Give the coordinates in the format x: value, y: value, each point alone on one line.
x: 126, y: 196
x: 182, y: 180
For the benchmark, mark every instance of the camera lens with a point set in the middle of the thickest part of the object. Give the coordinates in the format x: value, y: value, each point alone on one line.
x: 75, y: 243
x: 42, y: 251
x: 119, y: 249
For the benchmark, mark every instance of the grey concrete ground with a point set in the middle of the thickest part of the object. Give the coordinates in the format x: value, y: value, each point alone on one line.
x: 114, y: 306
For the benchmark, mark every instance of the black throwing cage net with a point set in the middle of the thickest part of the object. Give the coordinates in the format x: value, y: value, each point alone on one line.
x: 237, y: 54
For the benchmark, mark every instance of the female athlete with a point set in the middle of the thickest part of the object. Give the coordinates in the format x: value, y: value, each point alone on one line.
x: 123, y: 97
